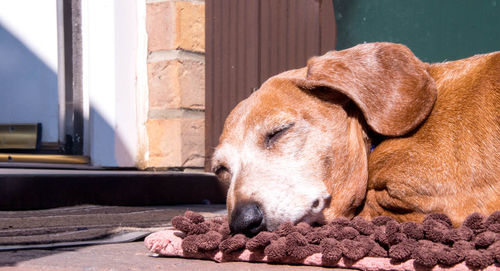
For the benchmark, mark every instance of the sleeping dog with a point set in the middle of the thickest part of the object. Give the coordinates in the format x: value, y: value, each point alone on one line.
x: 367, y: 131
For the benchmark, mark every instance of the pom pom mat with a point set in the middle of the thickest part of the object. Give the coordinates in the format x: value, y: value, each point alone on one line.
x: 379, y: 244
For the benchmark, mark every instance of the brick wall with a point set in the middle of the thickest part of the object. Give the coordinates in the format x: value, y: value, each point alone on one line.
x: 176, y: 81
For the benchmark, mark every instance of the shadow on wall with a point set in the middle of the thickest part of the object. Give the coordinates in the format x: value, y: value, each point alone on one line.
x: 28, y: 87
x: 29, y: 94
x: 108, y: 148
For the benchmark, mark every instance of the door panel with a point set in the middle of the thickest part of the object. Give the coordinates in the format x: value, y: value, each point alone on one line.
x: 28, y: 66
x: 249, y: 41
x: 434, y: 30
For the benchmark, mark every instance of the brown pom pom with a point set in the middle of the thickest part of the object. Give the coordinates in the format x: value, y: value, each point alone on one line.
x: 362, y: 226
x: 285, y: 229
x: 478, y: 259
x: 485, y: 239
x: 348, y: 233
x: 299, y: 253
x: 220, y: 220
x: 366, y: 241
x: 380, y: 237
x: 396, y: 238
x: 341, y: 221
x: 463, y: 246
x: 494, y: 249
x: 225, y: 231
x: 276, y: 251
x: 494, y: 228
x: 450, y: 256
x: 212, y: 226
x: 190, y: 245
x: 353, y: 250
x: 377, y: 251
x: 316, y: 236
x: 425, y: 253
x: 237, y: 242
x: 201, y: 228
x: 295, y: 239
x: 403, y: 250
x: 209, y: 241
x: 194, y: 217
x: 303, y: 228
x: 412, y: 230
x: 261, y: 240
x: 475, y: 222
x: 323, y: 230
x: 382, y: 220
x: 435, y: 230
x: 458, y: 234
x: 183, y: 224
x: 492, y: 223
x: 334, y: 231
x: 331, y: 251
x: 297, y: 247
x: 391, y: 227
x: 392, y: 231
x: 374, y: 249
x: 441, y: 218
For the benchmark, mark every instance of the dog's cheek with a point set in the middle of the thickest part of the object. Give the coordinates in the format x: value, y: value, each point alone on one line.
x: 345, y: 171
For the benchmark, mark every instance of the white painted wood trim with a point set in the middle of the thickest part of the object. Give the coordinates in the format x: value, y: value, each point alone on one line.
x: 61, y: 81
x: 114, y: 80
x: 142, y: 90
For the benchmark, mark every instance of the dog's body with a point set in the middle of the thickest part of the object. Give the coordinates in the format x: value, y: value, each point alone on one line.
x: 451, y: 163
x: 298, y: 149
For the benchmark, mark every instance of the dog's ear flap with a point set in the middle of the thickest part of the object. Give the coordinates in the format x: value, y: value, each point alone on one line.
x: 388, y: 83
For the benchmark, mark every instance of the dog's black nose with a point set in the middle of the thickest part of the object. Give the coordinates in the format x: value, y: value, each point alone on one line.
x: 248, y: 219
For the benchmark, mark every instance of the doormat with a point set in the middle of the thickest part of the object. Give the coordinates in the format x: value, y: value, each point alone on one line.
x: 88, y: 224
x: 380, y: 244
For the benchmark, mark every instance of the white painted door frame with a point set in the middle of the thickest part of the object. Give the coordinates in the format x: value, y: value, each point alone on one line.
x: 114, y: 72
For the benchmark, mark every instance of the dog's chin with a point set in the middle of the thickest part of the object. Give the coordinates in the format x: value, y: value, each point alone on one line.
x: 313, y: 219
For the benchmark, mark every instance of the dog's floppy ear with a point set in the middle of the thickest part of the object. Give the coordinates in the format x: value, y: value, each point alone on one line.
x: 388, y: 83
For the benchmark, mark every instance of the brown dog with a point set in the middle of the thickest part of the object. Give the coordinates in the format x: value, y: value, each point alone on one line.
x: 298, y: 149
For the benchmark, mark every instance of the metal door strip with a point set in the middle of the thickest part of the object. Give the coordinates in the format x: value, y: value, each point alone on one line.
x: 44, y: 158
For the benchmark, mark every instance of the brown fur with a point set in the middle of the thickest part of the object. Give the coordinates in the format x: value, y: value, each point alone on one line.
x: 451, y: 164
x: 441, y: 121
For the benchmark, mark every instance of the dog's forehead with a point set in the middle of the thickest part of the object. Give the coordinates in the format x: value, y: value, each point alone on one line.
x: 273, y: 104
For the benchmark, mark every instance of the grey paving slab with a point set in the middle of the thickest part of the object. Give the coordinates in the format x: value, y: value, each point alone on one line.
x: 126, y: 256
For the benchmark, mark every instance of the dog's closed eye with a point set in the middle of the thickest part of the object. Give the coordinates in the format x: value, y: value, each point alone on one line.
x: 220, y: 169
x: 273, y: 136
x: 222, y: 172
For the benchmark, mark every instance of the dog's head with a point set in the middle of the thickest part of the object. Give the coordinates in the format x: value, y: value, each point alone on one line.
x: 297, y: 148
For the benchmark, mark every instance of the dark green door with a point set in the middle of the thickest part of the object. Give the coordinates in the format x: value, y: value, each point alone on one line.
x: 435, y: 30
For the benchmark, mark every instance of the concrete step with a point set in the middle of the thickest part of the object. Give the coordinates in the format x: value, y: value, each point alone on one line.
x: 26, y: 189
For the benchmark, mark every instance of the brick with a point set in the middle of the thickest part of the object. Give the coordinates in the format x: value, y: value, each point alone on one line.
x: 192, y: 84
x: 163, y: 83
x: 177, y: 83
x: 164, y: 143
x: 191, y: 26
x: 176, y: 25
x: 193, y: 142
x: 176, y: 143
x: 161, y: 26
